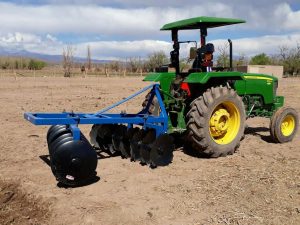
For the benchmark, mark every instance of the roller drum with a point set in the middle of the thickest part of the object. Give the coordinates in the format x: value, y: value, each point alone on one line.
x: 53, y: 128
x: 73, y: 162
x: 57, y: 133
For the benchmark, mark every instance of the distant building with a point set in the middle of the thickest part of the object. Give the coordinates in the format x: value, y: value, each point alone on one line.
x: 276, y: 71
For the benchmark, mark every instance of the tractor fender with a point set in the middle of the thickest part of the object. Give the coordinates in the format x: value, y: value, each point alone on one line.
x: 164, y: 79
x: 204, y: 77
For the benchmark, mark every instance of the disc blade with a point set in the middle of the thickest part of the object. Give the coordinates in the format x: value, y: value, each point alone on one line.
x: 101, y: 137
x: 135, y: 143
x: 161, y: 153
x: 117, y: 137
x: 146, y: 146
x: 125, y: 142
x: 94, y: 134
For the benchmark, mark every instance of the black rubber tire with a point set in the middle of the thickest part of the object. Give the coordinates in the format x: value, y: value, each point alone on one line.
x: 84, y: 168
x: 55, y: 143
x: 53, y: 149
x: 54, y: 128
x: 57, y: 133
x: 198, y: 119
x: 276, y: 121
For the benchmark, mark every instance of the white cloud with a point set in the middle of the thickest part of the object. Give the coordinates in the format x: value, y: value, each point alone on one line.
x: 128, y: 31
x: 20, y: 38
x: 141, y: 48
x: 268, y: 44
x: 122, y: 49
x: 289, y: 18
x: 23, y: 41
x: 165, y: 3
x: 93, y: 18
x: 51, y: 38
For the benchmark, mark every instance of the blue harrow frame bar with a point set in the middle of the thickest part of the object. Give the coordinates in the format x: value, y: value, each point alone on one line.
x: 143, y: 118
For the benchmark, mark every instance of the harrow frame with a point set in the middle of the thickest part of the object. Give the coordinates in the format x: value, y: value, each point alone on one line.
x: 143, y: 118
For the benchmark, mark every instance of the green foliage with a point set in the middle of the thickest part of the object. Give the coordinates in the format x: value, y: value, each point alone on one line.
x: 5, y: 65
x: 20, y: 63
x: 36, y: 64
x: 261, y: 59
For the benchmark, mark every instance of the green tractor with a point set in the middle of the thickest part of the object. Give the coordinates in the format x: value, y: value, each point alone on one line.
x: 206, y: 105
x: 210, y: 104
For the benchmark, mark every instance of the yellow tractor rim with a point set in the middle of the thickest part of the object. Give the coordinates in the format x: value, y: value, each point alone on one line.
x: 288, y: 125
x: 224, y: 123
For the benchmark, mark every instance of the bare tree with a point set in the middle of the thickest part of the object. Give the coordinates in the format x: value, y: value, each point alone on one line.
x: 89, y: 60
x: 115, y: 66
x: 223, y: 59
x: 290, y: 59
x: 156, y: 59
x: 68, y: 60
x: 240, y: 61
x: 134, y: 64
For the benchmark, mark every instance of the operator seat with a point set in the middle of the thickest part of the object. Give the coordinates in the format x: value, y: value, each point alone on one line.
x: 203, y: 61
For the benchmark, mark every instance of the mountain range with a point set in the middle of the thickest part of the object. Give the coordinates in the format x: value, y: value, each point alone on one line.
x: 44, y: 57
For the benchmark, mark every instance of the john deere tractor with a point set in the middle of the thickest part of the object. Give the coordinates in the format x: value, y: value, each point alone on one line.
x: 206, y: 105
x: 210, y: 104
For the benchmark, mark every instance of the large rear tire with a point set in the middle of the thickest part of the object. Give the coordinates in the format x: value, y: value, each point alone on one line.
x: 216, y: 122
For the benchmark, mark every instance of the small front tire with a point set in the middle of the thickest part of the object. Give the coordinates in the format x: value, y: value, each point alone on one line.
x: 284, y: 125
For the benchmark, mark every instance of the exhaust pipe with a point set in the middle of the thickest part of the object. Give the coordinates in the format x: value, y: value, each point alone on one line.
x: 230, y: 55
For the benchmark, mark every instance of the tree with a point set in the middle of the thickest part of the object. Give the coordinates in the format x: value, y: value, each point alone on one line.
x: 68, y: 60
x: 290, y: 59
x: 36, y: 64
x: 260, y: 59
x: 89, y: 60
x: 223, y: 59
x: 134, y: 64
x: 184, y: 65
x: 155, y: 60
x: 115, y: 66
x: 240, y: 61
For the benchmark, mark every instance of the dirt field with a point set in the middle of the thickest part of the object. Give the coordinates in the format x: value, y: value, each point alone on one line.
x: 260, y: 184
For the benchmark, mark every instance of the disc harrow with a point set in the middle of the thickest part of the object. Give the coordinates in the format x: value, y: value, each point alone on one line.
x: 134, y: 143
x: 141, y: 137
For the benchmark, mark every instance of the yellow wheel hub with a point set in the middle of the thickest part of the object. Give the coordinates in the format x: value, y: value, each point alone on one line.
x: 288, y: 125
x: 224, y: 123
x: 219, y: 122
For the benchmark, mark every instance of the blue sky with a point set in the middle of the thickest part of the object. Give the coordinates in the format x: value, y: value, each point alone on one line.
x: 116, y: 29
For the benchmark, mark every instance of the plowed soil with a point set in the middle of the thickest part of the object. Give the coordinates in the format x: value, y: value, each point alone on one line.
x: 260, y: 184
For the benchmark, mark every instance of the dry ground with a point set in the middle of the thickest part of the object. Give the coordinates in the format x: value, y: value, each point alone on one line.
x: 260, y: 184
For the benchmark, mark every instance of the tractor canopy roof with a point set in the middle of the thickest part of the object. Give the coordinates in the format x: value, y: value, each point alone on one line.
x: 200, y: 23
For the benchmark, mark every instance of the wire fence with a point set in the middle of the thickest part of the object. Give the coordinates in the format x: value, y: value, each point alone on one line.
x: 57, y: 72
x: 60, y: 73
